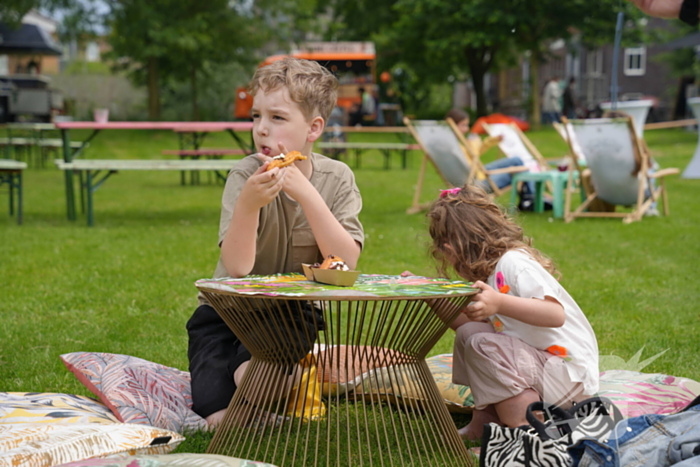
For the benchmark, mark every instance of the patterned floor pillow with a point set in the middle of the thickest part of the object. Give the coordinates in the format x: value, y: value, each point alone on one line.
x: 340, y: 365
x: 139, y: 391
x: 458, y: 398
x: 397, y: 385
x: 634, y: 393
x: 136, y: 390
x: 170, y: 460
x: 50, y: 444
x: 49, y: 407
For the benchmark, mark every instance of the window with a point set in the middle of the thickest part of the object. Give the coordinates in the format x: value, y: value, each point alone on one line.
x: 635, y: 61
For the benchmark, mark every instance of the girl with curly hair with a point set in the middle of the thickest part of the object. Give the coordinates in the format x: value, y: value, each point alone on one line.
x: 522, y: 338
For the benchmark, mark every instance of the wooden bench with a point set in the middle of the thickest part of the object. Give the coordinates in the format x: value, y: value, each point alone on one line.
x: 45, y: 145
x: 211, y: 153
x: 367, y: 129
x: 11, y: 173
x: 97, y: 171
x: 384, y: 148
x: 194, y: 154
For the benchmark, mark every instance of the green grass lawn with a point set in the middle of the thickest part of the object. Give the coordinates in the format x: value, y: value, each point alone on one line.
x: 126, y: 285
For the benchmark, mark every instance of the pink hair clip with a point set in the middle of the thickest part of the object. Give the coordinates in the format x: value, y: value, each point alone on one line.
x: 451, y: 191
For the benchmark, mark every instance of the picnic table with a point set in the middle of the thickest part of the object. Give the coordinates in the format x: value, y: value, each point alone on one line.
x: 98, y: 171
x: 368, y: 129
x: 31, y: 136
x: 198, y: 128
x: 191, y: 145
x: 11, y: 174
x: 385, y: 148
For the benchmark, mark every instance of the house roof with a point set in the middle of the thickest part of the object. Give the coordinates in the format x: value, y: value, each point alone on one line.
x: 28, y: 39
x: 691, y: 40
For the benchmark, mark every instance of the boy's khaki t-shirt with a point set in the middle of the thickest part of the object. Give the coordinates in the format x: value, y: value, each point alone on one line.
x: 285, y: 239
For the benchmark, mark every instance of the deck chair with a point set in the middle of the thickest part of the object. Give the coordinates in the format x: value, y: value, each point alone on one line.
x: 619, y: 165
x: 516, y: 144
x: 444, y: 145
x: 567, y: 134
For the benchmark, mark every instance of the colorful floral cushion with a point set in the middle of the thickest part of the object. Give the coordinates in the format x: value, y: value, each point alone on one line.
x: 136, y: 390
x: 170, y: 460
x: 637, y: 393
x: 633, y: 392
x: 49, y: 407
x: 396, y: 384
x: 458, y: 398
x: 338, y: 366
x: 48, y: 444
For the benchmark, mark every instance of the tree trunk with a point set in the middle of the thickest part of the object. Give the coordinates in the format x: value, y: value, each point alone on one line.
x: 479, y: 62
x: 193, y: 89
x: 153, y: 90
x: 536, y: 105
x: 478, y: 81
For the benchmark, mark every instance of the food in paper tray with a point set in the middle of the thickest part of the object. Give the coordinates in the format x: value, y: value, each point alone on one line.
x: 283, y: 160
x: 333, y: 262
x: 332, y: 271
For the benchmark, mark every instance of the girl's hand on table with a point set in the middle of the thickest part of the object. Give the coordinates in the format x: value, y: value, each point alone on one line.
x: 484, y: 304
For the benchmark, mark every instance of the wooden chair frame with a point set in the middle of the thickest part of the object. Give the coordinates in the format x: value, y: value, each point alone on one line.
x: 644, y: 178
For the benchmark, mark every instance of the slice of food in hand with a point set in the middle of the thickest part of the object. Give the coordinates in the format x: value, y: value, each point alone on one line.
x: 283, y: 160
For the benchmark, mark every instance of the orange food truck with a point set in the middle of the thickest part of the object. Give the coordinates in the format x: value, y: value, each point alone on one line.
x: 352, y: 62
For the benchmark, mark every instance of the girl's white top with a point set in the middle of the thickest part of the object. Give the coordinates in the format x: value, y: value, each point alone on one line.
x: 575, y: 341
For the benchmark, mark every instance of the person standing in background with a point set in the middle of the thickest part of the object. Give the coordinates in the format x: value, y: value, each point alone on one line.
x: 551, y: 104
x: 569, y: 99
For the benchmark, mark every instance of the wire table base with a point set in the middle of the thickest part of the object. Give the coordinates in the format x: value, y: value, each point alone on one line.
x: 363, y: 396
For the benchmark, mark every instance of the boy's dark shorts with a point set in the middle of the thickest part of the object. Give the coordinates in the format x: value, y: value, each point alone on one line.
x: 215, y: 353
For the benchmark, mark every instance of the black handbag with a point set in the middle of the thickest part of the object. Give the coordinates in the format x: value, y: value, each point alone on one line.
x: 545, y: 443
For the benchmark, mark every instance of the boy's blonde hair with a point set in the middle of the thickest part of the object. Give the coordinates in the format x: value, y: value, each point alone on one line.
x: 310, y: 85
x: 478, y: 233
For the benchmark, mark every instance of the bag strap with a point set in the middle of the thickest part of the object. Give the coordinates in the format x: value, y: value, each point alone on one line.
x: 554, y: 412
x: 602, y: 405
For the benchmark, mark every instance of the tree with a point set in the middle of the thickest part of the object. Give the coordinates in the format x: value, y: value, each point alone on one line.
x: 441, y: 39
x: 433, y: 39
x: 77, y: 11
x: 161, y: 40
x: 590, y: 22
x: 176, y: 38
x: 438, y: 39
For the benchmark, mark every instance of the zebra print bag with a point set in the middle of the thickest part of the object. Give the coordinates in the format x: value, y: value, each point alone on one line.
x: 544, y: 444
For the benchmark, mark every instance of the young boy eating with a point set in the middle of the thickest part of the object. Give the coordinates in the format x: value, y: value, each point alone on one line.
x: 272, y: 221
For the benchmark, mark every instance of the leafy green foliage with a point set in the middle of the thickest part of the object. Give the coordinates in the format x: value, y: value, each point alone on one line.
x: 430, y: 40
x: 12, y: 11
x: 178, y: 39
